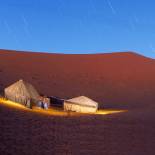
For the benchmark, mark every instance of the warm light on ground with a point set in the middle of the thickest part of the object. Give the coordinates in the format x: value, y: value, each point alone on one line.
x: 107, y: 112
x: 56, y: 112
x: 12, y: 104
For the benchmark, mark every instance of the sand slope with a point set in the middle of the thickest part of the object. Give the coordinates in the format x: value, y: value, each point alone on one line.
x: 118, y: 79
x: 29, y: 133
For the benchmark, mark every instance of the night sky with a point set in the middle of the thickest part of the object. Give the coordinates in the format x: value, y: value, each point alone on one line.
x: 78, y: 26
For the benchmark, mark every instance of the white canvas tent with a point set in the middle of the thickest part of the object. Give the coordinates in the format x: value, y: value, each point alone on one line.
x: 21, y: 92
x: 80, y: 104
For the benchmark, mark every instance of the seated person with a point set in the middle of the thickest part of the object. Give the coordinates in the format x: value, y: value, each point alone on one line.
x: 40, y: 103
x: 46, y: 103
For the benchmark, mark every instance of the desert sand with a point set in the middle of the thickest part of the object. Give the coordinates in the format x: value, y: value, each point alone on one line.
x: 118, y: 80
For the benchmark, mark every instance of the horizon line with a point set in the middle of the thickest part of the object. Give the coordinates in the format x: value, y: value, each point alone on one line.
x: 62, y: 53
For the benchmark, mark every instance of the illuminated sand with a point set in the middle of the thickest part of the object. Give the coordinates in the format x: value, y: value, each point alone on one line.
x: 12, y: 104
x: 110, y: 111
x: 56, y: 112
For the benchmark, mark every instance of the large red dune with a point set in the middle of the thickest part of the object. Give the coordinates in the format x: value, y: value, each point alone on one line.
x: 116, y: 80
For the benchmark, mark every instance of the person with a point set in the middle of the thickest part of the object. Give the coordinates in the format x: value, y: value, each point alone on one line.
x: 40, y: 102
x: 28, y: 104
x: 45, y: 103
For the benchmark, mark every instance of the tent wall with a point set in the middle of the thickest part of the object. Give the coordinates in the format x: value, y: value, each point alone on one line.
x: 68, y: 106
x: 16, y: 97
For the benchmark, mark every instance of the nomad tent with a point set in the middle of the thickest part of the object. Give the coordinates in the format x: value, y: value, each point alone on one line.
x: 22, y: 92
x: 80, y: 104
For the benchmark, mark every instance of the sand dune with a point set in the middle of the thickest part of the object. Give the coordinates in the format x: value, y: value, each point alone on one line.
x: 27, y: 132
x: 119, y: 80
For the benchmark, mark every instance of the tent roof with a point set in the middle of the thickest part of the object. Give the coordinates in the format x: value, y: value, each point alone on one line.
x: 83, y: 100
x: 22, y: 87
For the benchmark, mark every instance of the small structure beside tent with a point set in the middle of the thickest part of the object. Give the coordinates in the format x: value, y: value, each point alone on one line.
x: 80, y: 104
x: 22, y: 92
x: 56, y: 102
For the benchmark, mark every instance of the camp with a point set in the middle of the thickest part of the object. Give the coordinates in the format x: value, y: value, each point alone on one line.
x: 80, y: 104
x: 22, y: 92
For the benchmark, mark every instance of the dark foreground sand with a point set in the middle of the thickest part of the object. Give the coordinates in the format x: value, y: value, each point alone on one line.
x: 24, y: 132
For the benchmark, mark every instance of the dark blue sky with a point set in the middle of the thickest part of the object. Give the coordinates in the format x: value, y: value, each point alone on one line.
x: 78, y: 26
